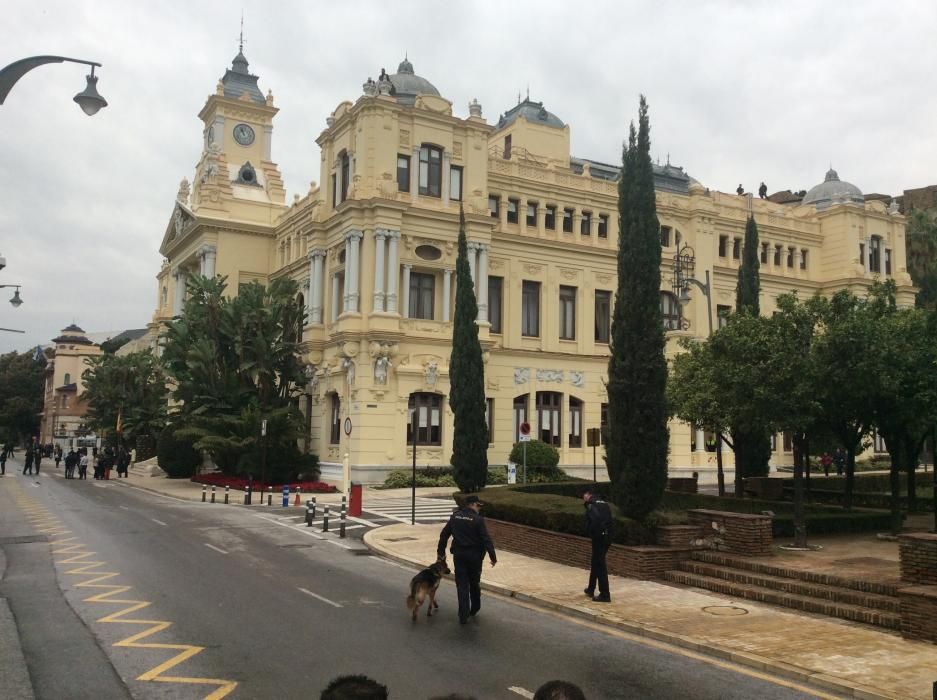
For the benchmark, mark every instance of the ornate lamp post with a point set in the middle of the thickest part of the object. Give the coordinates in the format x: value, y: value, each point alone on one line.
x: 88, y: 99
x: 16, y: 300
x: 684, y: 266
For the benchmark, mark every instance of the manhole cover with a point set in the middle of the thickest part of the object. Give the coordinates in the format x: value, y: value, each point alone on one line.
x: 401, y: 539
x: 725, y: 610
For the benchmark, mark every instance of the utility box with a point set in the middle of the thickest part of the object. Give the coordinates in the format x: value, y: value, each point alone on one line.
x: 354, y: 502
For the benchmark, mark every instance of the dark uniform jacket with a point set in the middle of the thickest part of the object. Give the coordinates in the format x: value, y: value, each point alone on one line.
x: 599, y: 520
x: 468, y: 532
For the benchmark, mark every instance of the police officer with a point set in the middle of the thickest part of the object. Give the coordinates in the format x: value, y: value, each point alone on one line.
x: 470, y: 541
x: 599, y: 530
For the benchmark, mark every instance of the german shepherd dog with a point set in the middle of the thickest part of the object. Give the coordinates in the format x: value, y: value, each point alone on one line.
x: 425, y: 583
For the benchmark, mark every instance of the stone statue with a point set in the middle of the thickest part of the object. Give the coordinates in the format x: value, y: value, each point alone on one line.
x: 183, y: 194
x: 432, y: 372
x: 521, y: 375
x: 381, y: 365
x: 349, y: 366
x: 370, y: 88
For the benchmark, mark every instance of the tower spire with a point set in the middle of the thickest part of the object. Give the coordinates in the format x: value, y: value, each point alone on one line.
x: 241, y: 40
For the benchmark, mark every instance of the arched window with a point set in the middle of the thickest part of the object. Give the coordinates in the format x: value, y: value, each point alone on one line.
x: 68, y: 378
x: 670, y: 311
x: 425, y: 418
x: 575, y: 422
x: 430, y: 170
x: 335, y: 432
x: 549, y: 424
x: 346, y: 174
x: 520, y: 414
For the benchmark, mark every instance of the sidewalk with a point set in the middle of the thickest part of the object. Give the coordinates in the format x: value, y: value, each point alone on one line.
x: 833, y: 655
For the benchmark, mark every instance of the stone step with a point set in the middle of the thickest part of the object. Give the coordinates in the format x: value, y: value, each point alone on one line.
x: 855, y: 613
x: 826, y: 592
x: 736, y: 562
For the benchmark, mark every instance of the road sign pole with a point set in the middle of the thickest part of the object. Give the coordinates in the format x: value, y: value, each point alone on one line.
x: 525, y: 461
x: 594, y: 479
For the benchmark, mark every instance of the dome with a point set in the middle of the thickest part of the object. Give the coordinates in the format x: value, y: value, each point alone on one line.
x: 533, y: 112
x: 407, y: 85
x: 237, y: 80
x: 833, y: 191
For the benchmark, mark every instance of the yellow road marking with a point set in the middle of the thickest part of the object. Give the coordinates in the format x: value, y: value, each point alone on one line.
x: 76, y: 553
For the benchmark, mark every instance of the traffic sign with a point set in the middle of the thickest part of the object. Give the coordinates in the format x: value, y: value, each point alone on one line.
x: 525, y: 428
x: 524, y: 438
x: 348, y: 426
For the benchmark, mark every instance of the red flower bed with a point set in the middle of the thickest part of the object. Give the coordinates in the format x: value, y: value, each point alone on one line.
x: 240, y: 483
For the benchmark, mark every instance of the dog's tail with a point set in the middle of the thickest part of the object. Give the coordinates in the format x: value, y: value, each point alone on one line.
x: 411, y: 599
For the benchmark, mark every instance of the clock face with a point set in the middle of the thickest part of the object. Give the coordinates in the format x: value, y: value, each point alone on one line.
x: 243, y: 134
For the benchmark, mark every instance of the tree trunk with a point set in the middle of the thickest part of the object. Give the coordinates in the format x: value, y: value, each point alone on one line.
x: 800, y: 519
x: 850, y: 476
x: 933, y: 446
x: 913, y: 451
x: 720, y: 474
x: 895, y: 481
x: 739, y: 481
x: 806, y: 454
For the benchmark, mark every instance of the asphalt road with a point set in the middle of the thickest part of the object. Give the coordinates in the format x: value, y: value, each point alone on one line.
x: 280, y: 613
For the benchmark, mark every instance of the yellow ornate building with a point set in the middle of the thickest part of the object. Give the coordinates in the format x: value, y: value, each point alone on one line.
x: 374, y: 248
x: 63, y: 411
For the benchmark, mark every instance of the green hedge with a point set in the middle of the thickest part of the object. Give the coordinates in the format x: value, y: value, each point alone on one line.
x: 539, y: 454
x: 175, y: 455
x: 437, y: 476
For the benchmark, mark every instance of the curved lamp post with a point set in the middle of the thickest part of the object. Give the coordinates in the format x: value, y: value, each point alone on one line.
x: 684, y: 265
x: 16, y: 300
x: 88, y: 99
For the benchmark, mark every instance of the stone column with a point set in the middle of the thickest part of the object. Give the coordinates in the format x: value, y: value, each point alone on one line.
x: 482, y: 286
x: 268, y: 141
x: 522, y: 216
x: 700, y: 440
x: 541, y: 219
x: 355, y: 239
x: 445, y: 178
x: 594, y: 226
x: 405, y: 310
x: 472, y: 252
x: 335, y: 293
x: 346, y: 287
x: 316, y: 269
x: 577, y: 222
x: 503, y: 212
x: 393, y: 271
x: 178, y: 292
x: 208, y: 254
x: 379, y: 237
x: 415, y: 175
x: 446, y: 293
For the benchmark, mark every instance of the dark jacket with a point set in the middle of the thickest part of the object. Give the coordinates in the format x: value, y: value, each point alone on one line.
x: 599, y: 519
x: 468, y: 532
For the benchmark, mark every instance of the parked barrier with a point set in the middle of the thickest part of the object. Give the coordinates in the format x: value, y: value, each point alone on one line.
x: 325, y: 519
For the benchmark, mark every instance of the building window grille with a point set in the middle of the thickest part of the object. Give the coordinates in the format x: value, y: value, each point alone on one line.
x: 549, y: 221
x: 603, y: 315
x: 777, y: 256
x: 575, y: 422
x: 430, y: 171
x: 403, y: 173
x: 530, y: 309
x: 512, y: 211
x: 425, y: 417
x: 455, y: 183
x: 549, y: 404
x: 585, y: 224
x: 567, y: 221
x: 494, y: 206
x: 665, y: 232
x: 567, y: 313
x: 346, y: 175
x: 495, y: 289
x: 335, y: 432
x: 723, y: 245
x: 803, y: 259
x: 531, y: 213
x: 422, y: 293
x: 603, y: 225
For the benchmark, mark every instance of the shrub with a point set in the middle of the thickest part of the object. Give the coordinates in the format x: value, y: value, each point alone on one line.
x: 436, y: 476
x: 175, y: 455
x: 539, y: 455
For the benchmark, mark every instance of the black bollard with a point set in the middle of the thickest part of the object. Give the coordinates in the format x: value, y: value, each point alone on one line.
x: 313, y: 507
x: 325, y: 519
x: 203, y: 493
x: 308, y: 513
x: 226, y: 489
x: 270, y: 497
x: 212, y: 493
x: 341, y: 527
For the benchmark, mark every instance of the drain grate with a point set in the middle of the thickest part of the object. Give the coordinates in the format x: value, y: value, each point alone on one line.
x: 724, y: 610
x: 26, y: 539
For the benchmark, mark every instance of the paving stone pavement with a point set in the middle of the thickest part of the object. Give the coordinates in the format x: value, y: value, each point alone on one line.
x: 844, y: 657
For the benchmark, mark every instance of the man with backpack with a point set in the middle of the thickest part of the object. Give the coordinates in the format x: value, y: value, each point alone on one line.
x: 599, y: 523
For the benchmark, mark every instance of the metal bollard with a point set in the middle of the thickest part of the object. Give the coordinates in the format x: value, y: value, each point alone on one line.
x: 309, y: 515
x: 325, y: 519
x: 341, y: 527
x: 226, y: 490
x: 313, y: 507
x: 212, y: 493
x: 269, y: 497
x: 203, y: 493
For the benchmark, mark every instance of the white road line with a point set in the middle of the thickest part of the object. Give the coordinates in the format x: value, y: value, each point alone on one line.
x: 159, y: 522
x: 124, y: 507
x: 99, y: 486
x: 217, y: 549
x: 523, y: 692
x: 326, y: 600
x: 291, y: 527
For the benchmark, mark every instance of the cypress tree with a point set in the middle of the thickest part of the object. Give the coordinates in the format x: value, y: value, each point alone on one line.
x: 467, y: 381
x: 751, y: 442
x: 636, y: 451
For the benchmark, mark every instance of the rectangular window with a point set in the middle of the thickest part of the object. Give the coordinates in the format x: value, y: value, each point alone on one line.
x: 790, y: 257
x: 774, y: 442
x: 862, y: 256
x: 346, y: 174
x: 403, y: 173
x: 888, y: 261
x: 723, y: 245
x: 603, y: 225
x: 875, y: 254
x: 334, y: 190
x: 430, y: 171
x: 490, y: 419
x: 585, y: 225
x: 777, y: 256
x: 422, y: 292
x: 520, y: 415
x: 495, y: 287
x: 603, y: 315
x: 665, y: 236
x: 455, y: 183
x: 512, y: 210
x: 567, y: 221
x: 764, y: 253
x: 567, y: 313
x: 803, y: 259
x: 531, y: 213
x: 530, y: 309
x: 736, y: 248
x: 575, y: 422
x: 425, y: 416
x: 494, y: 206
x: 335, y: 432
x: 549, y: 221
x: 788, y: 441
x: 722, y: 315
x: 507, y: 147
x: 548, y: 417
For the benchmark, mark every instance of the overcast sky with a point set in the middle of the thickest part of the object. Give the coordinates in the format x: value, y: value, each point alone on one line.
x: 738, y: 92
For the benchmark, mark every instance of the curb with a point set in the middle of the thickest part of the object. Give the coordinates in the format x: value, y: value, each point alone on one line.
x: 799, y: 674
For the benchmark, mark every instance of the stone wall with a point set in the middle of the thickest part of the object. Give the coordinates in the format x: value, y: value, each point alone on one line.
x: 683, y: 484
x: 739, y: 533
x: 918, y: 553
x: 919, y: 612
x: 645, y: 562
x: 680, y: 536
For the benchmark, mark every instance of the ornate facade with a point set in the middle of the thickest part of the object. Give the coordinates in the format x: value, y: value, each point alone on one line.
x: 374, y: 249
x: 63, y: 409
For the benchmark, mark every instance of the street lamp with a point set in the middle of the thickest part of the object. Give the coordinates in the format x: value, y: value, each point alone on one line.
x: 684, y: 266
x: 16, y: 300
x: 88, y: 99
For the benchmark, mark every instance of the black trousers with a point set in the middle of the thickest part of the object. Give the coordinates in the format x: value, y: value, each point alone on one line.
x: 468, y: 574
x: 598, y: 573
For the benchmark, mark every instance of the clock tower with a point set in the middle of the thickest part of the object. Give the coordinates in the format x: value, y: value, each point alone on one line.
x: 235, y: 176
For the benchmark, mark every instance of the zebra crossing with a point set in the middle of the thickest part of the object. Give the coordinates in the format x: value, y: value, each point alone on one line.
x: 428, y: 510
